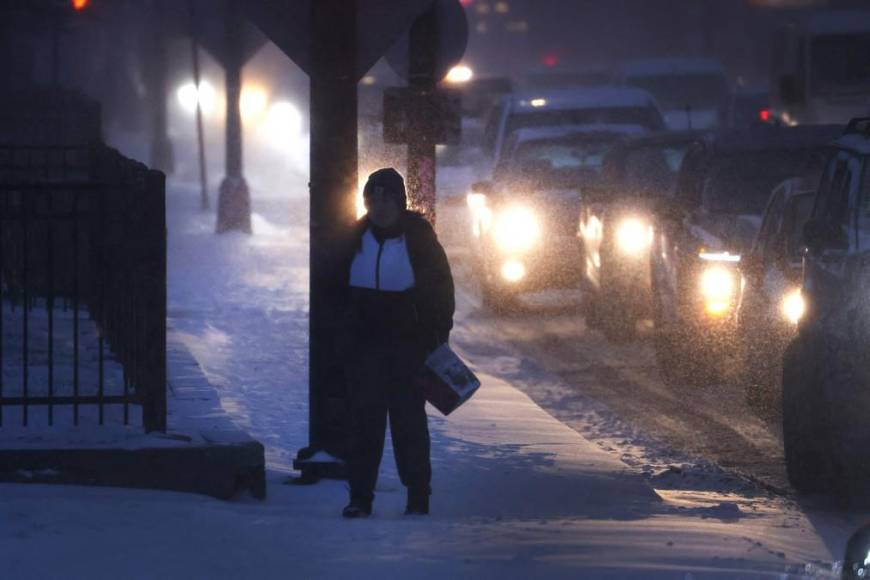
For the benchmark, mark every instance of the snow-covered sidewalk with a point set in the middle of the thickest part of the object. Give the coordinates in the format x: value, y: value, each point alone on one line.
x: 517, y: 494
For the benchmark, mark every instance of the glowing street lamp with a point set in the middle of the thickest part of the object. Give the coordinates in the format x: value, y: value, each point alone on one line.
x: 252, y: 103
x: 189, y: 95
x: 283, y: 124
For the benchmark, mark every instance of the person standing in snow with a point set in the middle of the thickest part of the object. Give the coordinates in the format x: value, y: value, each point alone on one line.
x: 399, y: 309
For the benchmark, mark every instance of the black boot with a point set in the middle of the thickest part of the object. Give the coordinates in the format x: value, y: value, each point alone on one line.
x: 357, y: 509
x: 418, y: 502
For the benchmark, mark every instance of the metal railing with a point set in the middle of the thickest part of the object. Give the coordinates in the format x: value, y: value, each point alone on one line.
x: 82, y: 284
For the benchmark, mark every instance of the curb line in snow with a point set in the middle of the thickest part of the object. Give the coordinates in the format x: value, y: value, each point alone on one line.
x: 203, y: 451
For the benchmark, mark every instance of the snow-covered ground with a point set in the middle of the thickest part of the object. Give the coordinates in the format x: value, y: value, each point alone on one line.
x: 517, y: 494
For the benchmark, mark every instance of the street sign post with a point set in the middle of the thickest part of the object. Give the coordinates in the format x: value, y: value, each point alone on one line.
x: 450, y: 41
x: 426, y: 116
x: 443, y: 106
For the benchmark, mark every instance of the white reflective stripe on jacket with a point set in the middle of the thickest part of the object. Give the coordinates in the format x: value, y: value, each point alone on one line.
x: 382, y: 266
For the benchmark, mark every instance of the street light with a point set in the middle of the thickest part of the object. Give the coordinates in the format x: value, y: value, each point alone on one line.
x: 189, y: 95
x: 252, y: 103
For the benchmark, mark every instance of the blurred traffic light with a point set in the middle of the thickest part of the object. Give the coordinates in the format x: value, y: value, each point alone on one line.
x: 550, y: 59
x: 80, y: 5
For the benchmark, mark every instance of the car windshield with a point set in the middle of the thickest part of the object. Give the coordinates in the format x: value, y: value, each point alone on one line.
x: 644, y: 116
x: 699, y: 91
x: 841, y: 63
x: 652, y: 171
x: 574, y: 152
x: 738, y: 194
x: 741, y: 184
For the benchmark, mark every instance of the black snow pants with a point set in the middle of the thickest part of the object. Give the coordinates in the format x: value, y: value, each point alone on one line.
x: 381, y: 383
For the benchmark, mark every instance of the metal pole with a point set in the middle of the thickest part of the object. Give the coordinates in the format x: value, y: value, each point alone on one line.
x: 422, y: 81
x: 161, y: 147
x: 234, y: 198
x: 194, y: 53
x: 333, y: 184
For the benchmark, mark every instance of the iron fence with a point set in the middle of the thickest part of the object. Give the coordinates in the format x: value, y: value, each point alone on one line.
x: 82, y: 285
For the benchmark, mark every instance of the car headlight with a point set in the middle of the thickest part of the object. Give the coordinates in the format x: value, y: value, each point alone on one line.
x: 794, y: 306
x: 516, y: 229
x: 633, y: 236
x: 513, y: 271
x: 718, y: 287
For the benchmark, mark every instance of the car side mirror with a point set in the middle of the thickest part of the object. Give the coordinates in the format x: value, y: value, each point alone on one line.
x: 790, y: 90
x: 484, y: 187
x: 822, y: 234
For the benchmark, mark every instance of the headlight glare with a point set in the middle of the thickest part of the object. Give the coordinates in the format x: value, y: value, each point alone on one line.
x: 516, y: 229
x: 513, y: 271
x: 794, y: 306
x: 633, y: 236
x: 718, y: 286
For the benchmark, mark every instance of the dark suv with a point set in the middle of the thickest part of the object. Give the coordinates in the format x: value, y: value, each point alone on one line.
x: 723, y: 187
x: 826, y: 369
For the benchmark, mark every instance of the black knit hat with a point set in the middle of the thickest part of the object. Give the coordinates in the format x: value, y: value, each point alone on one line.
x: 391, y: 181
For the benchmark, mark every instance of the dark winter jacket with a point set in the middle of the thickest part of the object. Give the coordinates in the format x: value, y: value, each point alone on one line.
x: 425, y: 311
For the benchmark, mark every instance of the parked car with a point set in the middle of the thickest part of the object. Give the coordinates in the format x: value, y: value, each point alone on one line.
x: 692, y: 93
x: 525, y: 220
x: 616, y: 220
x: 586, y: 106
x: 723, y: 187
x: 826, y: 370
x: 771, y: 301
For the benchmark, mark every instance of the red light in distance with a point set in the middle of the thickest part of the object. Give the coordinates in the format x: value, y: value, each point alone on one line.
x: 550, y: 59
x: 764, y: 115
x: 79, y: 5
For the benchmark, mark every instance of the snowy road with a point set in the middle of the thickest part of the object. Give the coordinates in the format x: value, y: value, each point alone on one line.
x: 612, y: 394
x: 710, y: 421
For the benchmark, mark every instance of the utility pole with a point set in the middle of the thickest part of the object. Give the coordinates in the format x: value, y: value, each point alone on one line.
x: 155, y: 65
x: 333, y: 76
x: 234, y: 198
x: 422, y: 65
x: 200, y: 140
